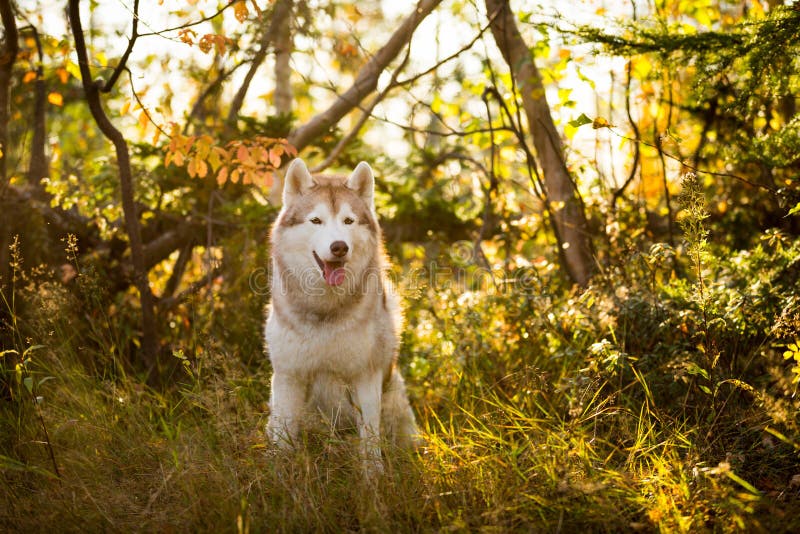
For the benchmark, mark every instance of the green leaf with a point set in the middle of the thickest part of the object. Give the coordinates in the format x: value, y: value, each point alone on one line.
x: 580, y: 121
x: 795, y: 210
x: 45, y: 379
x: 705, y: 390
x: 742, y: 482
x: 694, y: 369
x: 28, y: 381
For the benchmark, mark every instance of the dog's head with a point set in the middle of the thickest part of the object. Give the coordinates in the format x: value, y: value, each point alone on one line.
x: 328, y: 224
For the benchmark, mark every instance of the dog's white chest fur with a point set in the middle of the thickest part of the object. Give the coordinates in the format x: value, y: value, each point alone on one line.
x: 333, y: 327
x: 345, y: 347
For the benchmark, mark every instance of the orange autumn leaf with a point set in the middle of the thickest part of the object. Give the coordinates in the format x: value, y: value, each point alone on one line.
x: 222, y: 175
x: 62, y: 74
x: 240, y: 11
x: 56, y: 99
x: 29, y: 77
x: 243, y: 155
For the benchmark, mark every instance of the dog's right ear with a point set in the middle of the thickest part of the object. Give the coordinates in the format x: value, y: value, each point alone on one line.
x: 296, y: 182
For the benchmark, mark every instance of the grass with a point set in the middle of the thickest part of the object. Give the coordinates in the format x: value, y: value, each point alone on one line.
x: 552, y: 411
x: 195, y: 459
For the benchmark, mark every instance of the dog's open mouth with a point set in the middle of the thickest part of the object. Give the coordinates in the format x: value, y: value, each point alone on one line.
x: 332, y: 271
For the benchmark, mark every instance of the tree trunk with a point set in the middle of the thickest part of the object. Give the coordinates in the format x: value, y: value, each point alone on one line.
x: 149, y: 343
x: 283, y: 47
x: 8, y: 55
x: 281, y: 16
x: 565, y: 205
x: 39, y: 167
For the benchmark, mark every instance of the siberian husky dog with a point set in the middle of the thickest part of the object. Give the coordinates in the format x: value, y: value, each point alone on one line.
x: 334, y: 320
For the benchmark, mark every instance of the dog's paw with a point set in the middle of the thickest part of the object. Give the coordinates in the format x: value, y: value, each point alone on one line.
x: 278, y: 434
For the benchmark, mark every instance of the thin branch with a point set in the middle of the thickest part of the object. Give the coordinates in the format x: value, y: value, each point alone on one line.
x: 150, y: 342
x: 280, y: 15
x: 121, y: 65
x: 636, y: 153
x: 178, y: 268
x: 194, y: 114
x: 141, y: 105
x: 367, y: 78
x: 449, y: 58
x: 365, y: 115
x: 170, y: 302
x: 693, y: 168
x: 190, y: 24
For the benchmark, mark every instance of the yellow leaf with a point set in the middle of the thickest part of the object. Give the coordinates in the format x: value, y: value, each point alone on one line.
x: 201, y: 168
x: 125, y: 107
x: 29, y: 77
x: 143, y: 119
x: 56, y: 99
x: 156, y: 135
x: 600, y: 122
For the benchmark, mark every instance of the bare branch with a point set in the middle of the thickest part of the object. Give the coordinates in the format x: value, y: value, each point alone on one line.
x: 367, y: 79
x: 190, y: 24
x: 170, y: 302
x: 197, y: 108
x: 124, y: 59
x: 365, y: 115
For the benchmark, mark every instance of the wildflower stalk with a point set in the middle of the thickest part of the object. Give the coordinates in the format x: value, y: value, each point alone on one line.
x: 696, y: 235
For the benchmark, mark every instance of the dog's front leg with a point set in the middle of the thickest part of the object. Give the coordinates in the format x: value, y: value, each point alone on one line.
x: 287, y: 401
x: 368, y: 397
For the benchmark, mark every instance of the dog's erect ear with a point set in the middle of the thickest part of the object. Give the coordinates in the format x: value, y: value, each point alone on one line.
x: 296, y: 182
x: 363, y: 182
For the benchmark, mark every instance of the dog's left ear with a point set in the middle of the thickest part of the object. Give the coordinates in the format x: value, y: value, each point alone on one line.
x: 362, y: 181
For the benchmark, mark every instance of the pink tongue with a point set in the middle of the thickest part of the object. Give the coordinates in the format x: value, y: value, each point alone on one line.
x: 333, y: 273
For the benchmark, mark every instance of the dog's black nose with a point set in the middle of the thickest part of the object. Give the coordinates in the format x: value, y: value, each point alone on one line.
x: 339, y: 248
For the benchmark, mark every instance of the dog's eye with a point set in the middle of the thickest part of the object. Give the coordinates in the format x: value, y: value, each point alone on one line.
x: 348, y: 220
x: 316, y: 220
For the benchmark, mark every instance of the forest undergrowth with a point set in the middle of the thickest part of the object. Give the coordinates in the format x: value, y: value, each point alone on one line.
x: 662, y: 397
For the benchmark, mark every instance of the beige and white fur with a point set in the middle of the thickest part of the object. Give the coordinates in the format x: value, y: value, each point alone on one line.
x: 333, y: 325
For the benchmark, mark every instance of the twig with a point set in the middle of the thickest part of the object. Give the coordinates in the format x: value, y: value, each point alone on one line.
x: 366, y: 114
x: 170, y: 302
x: 121, y: 65
x: 366, y: 80
x: 692, y: 167
x: 190, y: 24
